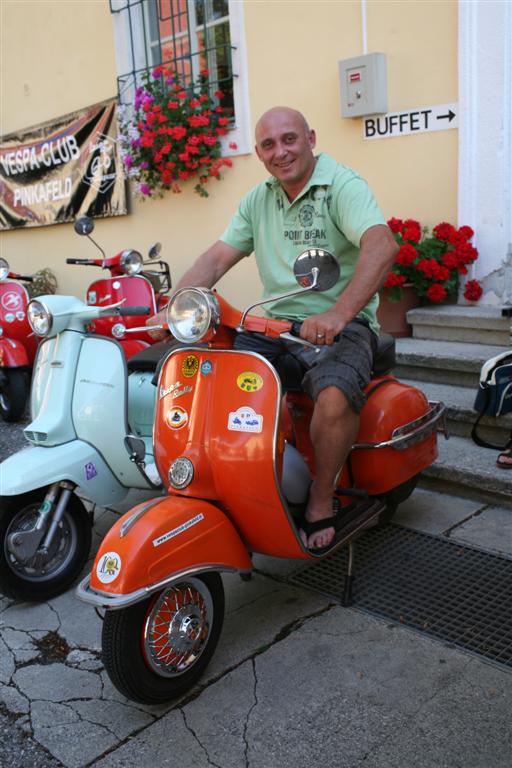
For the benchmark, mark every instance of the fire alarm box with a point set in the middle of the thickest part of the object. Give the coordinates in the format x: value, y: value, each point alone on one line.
x: 363, y: 85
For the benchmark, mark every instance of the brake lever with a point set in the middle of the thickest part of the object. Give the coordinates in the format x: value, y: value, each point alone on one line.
x: 297, y: 339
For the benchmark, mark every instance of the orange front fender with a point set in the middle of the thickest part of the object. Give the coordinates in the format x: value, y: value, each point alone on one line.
x: 156, y: 542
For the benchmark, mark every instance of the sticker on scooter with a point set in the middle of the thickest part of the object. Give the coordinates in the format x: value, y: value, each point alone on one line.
x: 109, y: 567
x: 11, y: 300
x: 9, y: 318
x: 245, y: 419
x: 176, y: 531
x: 90, y: 471
x: 190, y: 365
x: 176, y: 417
x: 249, y: 381
x: 91, y: 297
x: 20, y: 316
x: 206, y: 367
x: 176, y: 390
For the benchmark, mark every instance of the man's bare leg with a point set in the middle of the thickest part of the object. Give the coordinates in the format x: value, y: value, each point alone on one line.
x: 333, y: 430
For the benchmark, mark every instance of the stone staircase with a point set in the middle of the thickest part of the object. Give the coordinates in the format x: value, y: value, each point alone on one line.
x: 443, y: 358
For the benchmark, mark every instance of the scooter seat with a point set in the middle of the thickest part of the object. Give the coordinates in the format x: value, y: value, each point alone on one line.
x: 148, y: 359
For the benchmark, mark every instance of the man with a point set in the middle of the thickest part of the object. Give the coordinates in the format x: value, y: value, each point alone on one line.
x: 312, y: 202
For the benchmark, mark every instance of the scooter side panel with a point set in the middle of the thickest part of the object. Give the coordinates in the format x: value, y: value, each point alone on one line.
x: 12, y: 353
x: 220, y: 409
x: 13, y: 316
x: 380, y: 469
x: 173, y: 535
x: 99, y: 408
x: 37, y: 467
x: 53, y: 380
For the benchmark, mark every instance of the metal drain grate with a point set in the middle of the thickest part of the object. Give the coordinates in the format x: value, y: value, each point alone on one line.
x: 455, y: 593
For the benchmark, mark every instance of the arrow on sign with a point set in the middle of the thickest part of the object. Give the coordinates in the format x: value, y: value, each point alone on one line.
x: 448, y: 117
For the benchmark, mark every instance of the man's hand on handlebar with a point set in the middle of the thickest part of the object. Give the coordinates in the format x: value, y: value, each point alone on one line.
x: 321, y: 329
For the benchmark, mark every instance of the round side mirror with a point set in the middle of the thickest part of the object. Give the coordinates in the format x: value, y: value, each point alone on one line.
x: 154, y: 251
x: 83, y: 226
x: 320, y: 262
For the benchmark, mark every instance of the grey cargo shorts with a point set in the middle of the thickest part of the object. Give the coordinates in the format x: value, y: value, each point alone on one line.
x: 346, y: 364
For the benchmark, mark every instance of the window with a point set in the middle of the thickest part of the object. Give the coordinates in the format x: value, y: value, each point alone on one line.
x: 188, y: 35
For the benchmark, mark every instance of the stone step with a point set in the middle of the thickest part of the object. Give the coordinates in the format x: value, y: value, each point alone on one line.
x: 460, y: 414
x: 445, y: 362
x: 461, y: 323
x: 464, y: 469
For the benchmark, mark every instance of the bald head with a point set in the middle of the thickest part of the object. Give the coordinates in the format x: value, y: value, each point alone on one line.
x: 279, y: 114
x: 284, y: 144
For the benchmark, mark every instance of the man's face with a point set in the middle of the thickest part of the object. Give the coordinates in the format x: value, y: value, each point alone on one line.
x: 285, y: 145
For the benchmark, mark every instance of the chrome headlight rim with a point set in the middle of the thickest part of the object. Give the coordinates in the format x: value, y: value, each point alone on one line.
x: 207, y: 301
x: 4, y: 268
x: 131, y: 262
x: 181, y: 473
x: 46, y: 315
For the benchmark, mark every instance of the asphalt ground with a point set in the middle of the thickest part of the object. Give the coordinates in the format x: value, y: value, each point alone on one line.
x: 296, y: 680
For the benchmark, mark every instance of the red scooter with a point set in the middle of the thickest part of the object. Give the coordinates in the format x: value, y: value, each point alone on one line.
x: 231, y: 439
x: 132, y: 282
x: 18, y: 345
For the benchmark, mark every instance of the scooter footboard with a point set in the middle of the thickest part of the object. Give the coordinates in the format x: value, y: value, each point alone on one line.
x: 157, y: 542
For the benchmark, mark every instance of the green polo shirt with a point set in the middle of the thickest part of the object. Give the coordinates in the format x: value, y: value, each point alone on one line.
x: 333, y: 211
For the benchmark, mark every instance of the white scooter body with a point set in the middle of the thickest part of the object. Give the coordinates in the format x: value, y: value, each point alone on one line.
x: 79, y: 406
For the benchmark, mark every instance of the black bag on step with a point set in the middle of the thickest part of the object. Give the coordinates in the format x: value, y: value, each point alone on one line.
x: 494, y: 396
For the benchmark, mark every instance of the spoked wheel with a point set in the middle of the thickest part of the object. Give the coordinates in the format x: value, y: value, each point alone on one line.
x: 157, y: 649
x: 45, y: 574
x: 395, y: 497
x: 13, y: 394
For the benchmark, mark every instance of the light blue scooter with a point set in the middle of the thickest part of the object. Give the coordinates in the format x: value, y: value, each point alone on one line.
x: 85, y: 401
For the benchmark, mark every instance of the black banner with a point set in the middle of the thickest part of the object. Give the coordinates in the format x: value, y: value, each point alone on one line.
x: 64, y: 168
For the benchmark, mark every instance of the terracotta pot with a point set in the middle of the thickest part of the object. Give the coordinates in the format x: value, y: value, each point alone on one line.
x: 392, y: 314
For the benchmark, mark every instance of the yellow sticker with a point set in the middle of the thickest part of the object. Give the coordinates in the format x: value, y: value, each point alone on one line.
x: 190, y: 365
x: 249, y: 381
x: 176, y: 417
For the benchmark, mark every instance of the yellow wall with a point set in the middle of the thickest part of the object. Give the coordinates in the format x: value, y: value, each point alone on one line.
x: 292, y: 50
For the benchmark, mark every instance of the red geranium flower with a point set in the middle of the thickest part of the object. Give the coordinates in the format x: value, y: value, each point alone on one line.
x: 472, y: 290
x: 430, y: 263
x: 174, y: 134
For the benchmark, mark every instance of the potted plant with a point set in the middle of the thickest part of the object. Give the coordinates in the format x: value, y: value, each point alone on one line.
x: 427, y: 269
x: 172, y: 133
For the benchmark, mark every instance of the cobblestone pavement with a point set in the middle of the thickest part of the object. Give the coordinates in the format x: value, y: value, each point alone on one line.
x: 295, y: 681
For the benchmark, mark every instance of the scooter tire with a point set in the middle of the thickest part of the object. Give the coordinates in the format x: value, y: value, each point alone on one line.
x: 27, y: 582
x: 138, y: 657
x: 13, y: 395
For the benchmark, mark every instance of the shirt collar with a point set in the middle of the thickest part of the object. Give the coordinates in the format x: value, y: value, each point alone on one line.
x: 323, y: 174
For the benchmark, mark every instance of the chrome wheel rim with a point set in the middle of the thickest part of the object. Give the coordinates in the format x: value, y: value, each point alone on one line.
x: 177, y: 628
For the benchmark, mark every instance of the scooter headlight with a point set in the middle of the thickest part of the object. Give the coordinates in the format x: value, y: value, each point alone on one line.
x: 4, y: 269
x: 181, y: 473
x: 39, y: 317
x: 191, y: 313
x: 131, y: 262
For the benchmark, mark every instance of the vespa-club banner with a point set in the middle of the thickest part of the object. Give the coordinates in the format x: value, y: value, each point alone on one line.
x: 64, y: 168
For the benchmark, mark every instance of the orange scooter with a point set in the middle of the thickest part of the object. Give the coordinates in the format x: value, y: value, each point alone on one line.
x: 232, y: 445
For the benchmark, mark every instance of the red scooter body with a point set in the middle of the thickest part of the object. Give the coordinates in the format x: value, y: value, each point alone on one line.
x: 18, y: 346
x: 225, y: 432
x: 132, y: 282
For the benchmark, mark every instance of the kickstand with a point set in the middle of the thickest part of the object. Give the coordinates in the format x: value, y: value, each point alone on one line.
x: 347, y: 600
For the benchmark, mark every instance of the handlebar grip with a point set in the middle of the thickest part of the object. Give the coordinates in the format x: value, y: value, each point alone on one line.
x: 123, y: 311
x: 295, y: 330
x: 89, y: 262
x: 25, y: 278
